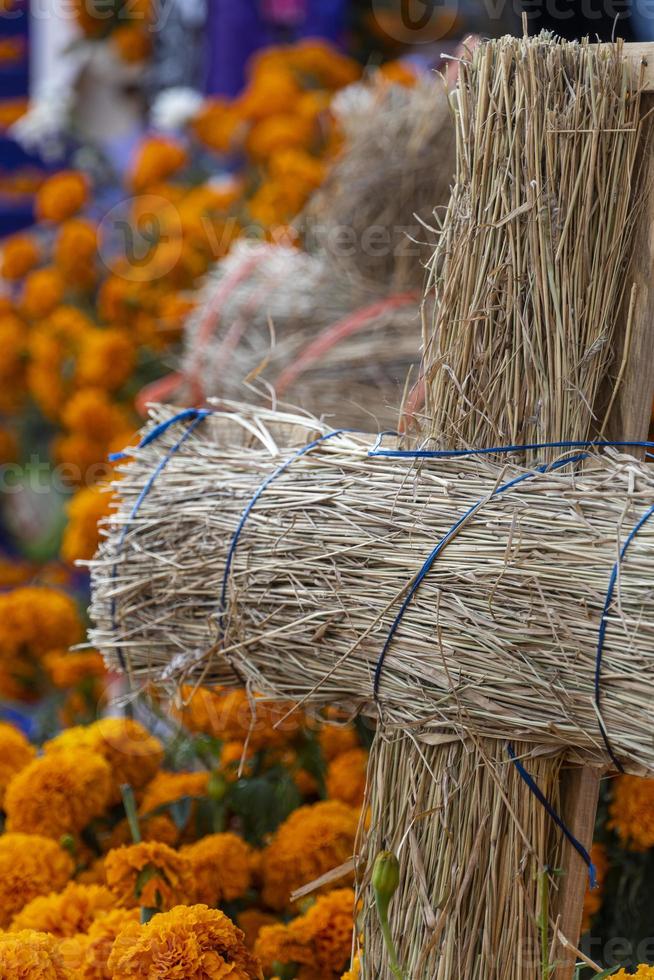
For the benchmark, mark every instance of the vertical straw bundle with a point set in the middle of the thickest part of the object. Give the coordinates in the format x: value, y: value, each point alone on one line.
x: 529, y: 272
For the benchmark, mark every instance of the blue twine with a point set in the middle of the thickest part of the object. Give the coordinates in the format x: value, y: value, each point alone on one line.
x: 442, y: 544
x: 563, y: 444
x: 159, y: 430
x: 248, y: 510
x: 542, y: 799
x: 452, y: 453
x: 196, y: 415
x: 603, y: 627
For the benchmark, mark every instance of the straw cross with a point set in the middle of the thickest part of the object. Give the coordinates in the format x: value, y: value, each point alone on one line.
x: 542, y: 333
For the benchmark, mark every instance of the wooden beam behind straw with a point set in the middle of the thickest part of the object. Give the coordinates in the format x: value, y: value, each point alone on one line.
x: 629, y: 418
x: 643, y: 54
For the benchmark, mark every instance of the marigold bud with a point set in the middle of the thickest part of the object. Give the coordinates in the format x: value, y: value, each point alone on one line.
x: 385, y: 876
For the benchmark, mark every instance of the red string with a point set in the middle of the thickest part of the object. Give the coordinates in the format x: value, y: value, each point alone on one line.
x: 337, y: 332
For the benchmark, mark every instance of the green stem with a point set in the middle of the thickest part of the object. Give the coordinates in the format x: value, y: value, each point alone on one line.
x: 394, y: 963
x: 129, y: 804
x: 543, y: 922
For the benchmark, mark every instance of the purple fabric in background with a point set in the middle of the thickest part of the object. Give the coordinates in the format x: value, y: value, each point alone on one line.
x: 237, y: 29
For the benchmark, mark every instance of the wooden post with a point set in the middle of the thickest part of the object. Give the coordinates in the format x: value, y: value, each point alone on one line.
x: 628, y: 418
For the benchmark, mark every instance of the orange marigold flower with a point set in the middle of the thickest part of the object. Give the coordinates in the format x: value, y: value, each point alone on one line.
x: 643, y: 972
x: 168, y: 787
x: 276, y: 944
x: 132, y: 42
x: 35, y: 619
x: 61, y: 196
x: 312, y: 104
x: 30, y: 865
x: 399, y: 73
x: 346, y: 777
x: 68, y: 669
x: 30, y: 955
x: 218, y: 125
x: 171, y: 314
x: 159, y: 827
x: 20, y: 254
x: 273, y: 90
x: 91, y: 413
x: 631, y: 811
x: 58, y: 793
x: 43, y: 290
x: 92, y: 873
x: 277, y: 202
x: 199, y: 942
x: 277, y: 133
x: 320, y: 939
x: 296, y: 164
x: 15, y: 753
x: 69, y: 324
x: 326, y: 931
x: 220, y: 864
x: 336, y: 739
x: 75, y: 251
x: 85, y: 511
x: 65, y: 913
x: 312, y: 841
x: 13, y: 345
x: 233, y: 716
x: 99, y: 942
x: 72, y: 951
x: 32, y: 620
x: 132, y: 753
x: 251, y: 922
x: 157, y: 159
x: 593, y: 896
x: 321, y: 60
x: 106, y: 358
x: 83, y: 459
x: 149, y: 874
x: 46, y: 389
x: 114, y: 299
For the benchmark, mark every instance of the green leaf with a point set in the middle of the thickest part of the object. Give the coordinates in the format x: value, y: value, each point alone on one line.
x: 263, y: 802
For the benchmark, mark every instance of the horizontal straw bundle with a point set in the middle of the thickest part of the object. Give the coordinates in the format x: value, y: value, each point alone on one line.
x: 490, y: 640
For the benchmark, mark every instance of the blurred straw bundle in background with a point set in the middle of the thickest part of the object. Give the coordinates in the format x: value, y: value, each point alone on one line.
x: 335, y: 326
